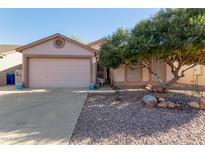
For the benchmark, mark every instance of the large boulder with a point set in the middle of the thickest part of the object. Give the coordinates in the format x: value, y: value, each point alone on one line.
x: 161, y: 99
x: 166, y: 104
x: 149, y: 101
x: 194, y: 105
x: 162, y: 105
x: 202, y: 103
x: 171, y: 104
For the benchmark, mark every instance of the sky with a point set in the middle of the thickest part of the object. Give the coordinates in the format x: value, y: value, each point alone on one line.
x: 22, y: 26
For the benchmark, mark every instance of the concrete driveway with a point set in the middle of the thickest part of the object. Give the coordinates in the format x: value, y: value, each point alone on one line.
x: 39, y: 116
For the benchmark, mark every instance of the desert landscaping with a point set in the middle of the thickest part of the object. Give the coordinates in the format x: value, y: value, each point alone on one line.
x: 124, y: 117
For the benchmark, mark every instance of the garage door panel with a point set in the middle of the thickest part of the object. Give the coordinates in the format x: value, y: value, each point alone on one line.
x: 55, y: 65
x: 62, y: 77
x: 45, y: 72
x: 62, y: 66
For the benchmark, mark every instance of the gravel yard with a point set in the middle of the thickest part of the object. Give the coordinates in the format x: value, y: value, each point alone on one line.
x: 106, y: 119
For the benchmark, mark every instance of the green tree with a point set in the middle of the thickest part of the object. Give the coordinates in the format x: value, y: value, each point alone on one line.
x: 175, y: 36
x: 112, y: 51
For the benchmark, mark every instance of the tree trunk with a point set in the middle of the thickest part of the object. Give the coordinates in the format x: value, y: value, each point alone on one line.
x: 165, y: 85
x: 162, y: 83
x: 172, y: 81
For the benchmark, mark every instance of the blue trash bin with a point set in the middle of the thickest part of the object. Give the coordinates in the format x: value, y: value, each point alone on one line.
x: 10, y: 78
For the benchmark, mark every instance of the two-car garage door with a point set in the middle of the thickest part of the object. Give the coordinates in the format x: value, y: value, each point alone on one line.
x: 59, y: 72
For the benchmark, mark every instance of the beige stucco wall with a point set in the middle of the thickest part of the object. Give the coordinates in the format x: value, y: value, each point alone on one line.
x: 169, y: 73
x: 48, y: 48
x: 201, y: 78
x: 145, y: 74
x: 194, y: 75
x: 94, y: 62
x: 10, y: 59
x: 119, y: 74
x: 198, y: 76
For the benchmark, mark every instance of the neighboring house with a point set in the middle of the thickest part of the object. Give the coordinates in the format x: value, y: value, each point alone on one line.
x: 58, y: 61
x: 124, y: 76
x: 10, y: 61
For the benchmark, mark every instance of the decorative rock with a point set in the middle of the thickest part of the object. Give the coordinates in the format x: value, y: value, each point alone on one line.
x: 162, y: 105
x: 202, y: 103
x: 178, y: 105
x: 149, y: 101
x: 149, y: 87
x: 194, y: 105
x: 161, y: 99
x: 171, y: 104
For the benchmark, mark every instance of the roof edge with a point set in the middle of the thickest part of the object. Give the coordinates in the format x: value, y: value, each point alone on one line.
x: 96, y: 42
x: 30, y: 45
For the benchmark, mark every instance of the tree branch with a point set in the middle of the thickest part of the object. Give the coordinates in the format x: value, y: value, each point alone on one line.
x: 183, y: 71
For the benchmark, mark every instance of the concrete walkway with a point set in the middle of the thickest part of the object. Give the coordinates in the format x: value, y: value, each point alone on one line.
x: 39, y: 116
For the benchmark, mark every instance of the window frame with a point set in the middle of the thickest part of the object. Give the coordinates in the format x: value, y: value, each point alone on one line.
x: 127, y: 75
x: 163, y: 73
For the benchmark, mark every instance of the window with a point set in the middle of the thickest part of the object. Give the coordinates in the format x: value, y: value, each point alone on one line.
x: 158, y: 67
x: 59, y: 43
x: 133, y: 74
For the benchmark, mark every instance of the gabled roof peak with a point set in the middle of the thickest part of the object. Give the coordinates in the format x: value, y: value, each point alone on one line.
x: 30, y: 45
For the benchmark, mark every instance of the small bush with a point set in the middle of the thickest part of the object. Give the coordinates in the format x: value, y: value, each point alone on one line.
x: 117, y: 93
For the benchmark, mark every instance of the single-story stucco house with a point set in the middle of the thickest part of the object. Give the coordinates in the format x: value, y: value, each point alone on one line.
x: 9, y: 62
x: 59, y: 61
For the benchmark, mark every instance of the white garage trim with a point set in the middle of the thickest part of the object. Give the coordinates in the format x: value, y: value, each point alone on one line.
x: 26, y: 59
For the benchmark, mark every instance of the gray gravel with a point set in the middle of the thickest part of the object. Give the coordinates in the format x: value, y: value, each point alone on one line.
x: 104, y: 120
